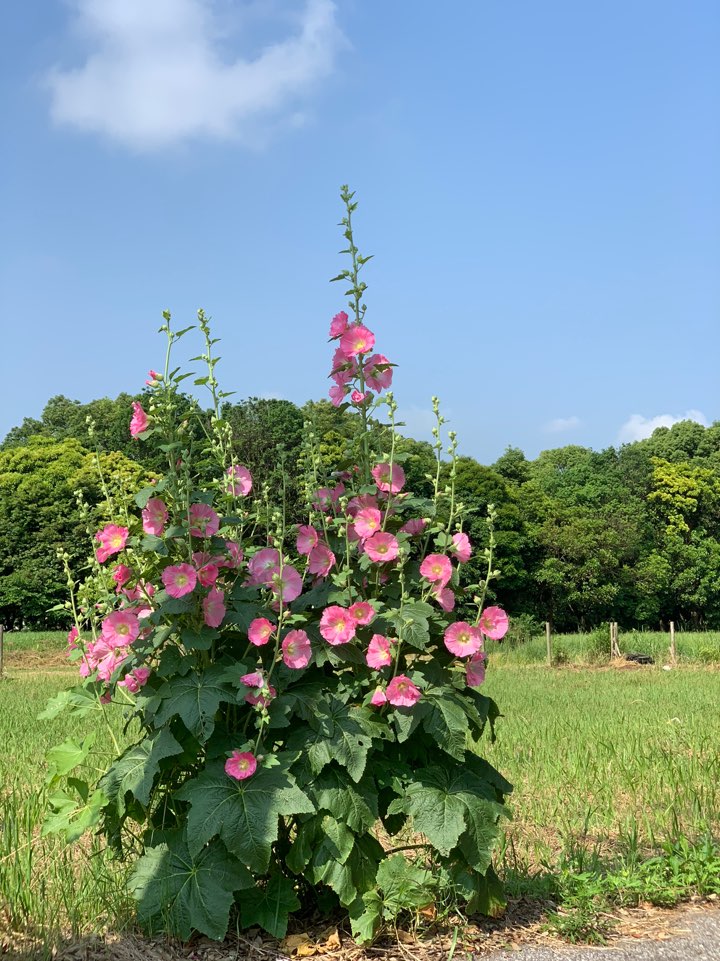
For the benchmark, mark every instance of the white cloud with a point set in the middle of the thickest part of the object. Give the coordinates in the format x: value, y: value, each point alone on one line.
x: 561, y: 424
x: 157, y: 74
x: 637, y: 427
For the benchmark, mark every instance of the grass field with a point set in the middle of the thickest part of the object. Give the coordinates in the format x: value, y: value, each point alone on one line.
x: 608, y: 765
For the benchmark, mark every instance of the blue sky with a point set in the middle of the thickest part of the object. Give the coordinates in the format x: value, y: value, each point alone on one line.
x: 538, y: 183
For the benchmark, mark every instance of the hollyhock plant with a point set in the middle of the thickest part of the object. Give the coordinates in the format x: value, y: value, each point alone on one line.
x: 309, y: 675
x: 296, y: 649
x: 112, y: 540
x: 139, y: 421
x: 241, y: 765
x: 179, y: 580
x: 154, y: 516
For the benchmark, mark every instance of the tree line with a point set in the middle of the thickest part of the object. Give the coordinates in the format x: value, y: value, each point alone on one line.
x: 630, y: 534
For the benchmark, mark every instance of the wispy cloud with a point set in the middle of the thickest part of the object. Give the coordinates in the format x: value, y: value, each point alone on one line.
x: 157, y: 73
x: 637, y: 427
x: 561, y: 424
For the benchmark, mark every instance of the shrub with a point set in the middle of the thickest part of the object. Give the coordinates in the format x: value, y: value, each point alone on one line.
x: 289, y: 688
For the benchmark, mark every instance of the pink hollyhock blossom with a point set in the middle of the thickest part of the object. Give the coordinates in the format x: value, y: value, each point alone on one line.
x: 307, y: 538
x: 367, y: 522
x: 462, y: 639
x: 204, y: 522
x: 139, y: 422
x: 323, y: 499
x: 110, y: 663
x: 120, y: 628
x: 140, y: 591
x: 357, y: 504
x: 72, y: 637
x: 337, y: 395
x: 494, y: 623
x: 337, y: 625
x: 153, y: 378
x: 437, y: 569
x: 338, y: 325
x: 112, y: 540
x: 214, y: 607
x: 154, y: 516
x: 378, y: 697
x: 389, y: 479
x: 414, y: 526
x: 121, y: 575
x: 382, y: 548
x: 286, y: 584
x: 296, y: 649
x: 461, y: 547
x: 253, y: 680
x: 208, y: 574
x: 235, y: 555
x: 179, y: 580
x: 261, y: 700
x: 135, y: 679
x: 238, y: 481
x: 475, y: 669
x: 445, y: 598
x: 240, y: 765
x: 362, y: 612
x: 343, y: 368
x: 357, y: 339
x: 263, y: 565
x: 378, y: 372
x: 358, y: 398
x: 260, y: 631
x: 379, y: 652
x: 401, y: 692
x: 321, y: 560
x: 105, y: 697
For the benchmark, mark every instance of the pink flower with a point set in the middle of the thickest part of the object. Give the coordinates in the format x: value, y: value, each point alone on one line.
x: 204, y: 522
x: 120, y: 628
x: 356, y: 504
x: 286, y: 584
x: 494, y: 623
x: 240, y: 765
x: 260, y: 631
x: 112, y: 540
x: 445, y: 598
x: 401, y: 692
x: 475, y: 669
x: 135, y: 679
x: 239, y: 481
x: 154, y: 516
x: 263, y: 565
x: 337, y: 394
x: 179, y: 580
x: 140, y: 591
x: 337, y: 625
x: 367, y: 522
x: 110, y: 663
x: 296, y: 649
x: 357, y: 339
x: 389, y: 479
x: 414, y: 526
x: 378, y: 697
x: 208, y: 574
x: 462, y: 639
x: 139, y: 422
x: 382, y: 547
x: 338, y: 325
x: 307, y: 538
x: 359, y: 398
x: 121, y: 575
x: 253, y: 680
x: 235, y: 555
x: 214, y: 607
x: 72, y: 637
x: 378, y: 372
x: 379, y: 652
x: 462, y: 548
x: 362, y: 612
x: 321, y: 560
x: 437, y: 569
x: 153, y: 378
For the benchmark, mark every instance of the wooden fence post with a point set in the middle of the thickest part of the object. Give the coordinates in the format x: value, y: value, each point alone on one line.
x: 548, y: 643
x: 614, y: 646
x: 673, y: 652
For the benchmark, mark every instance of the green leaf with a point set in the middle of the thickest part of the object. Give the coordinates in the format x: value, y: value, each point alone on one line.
x: 244, y: 813
x: 478, y: 842
x: 355, y: 804
x: 200, y: 640
x: 366, y: 917
x: 411, y: 623
x: 195, y: 698
x: 179, y: 893
x: 144, y: 495
x: 328, y: 865
x: 269, y: 906
x: 135, y: 770
x: 64, y: 757
x: 436, y: 811
x: 404, y: 885
x: 79, y: 701
x: 335, y: 734
x: 447, y: 723
x: 155, y: 544
x: 72, y: 818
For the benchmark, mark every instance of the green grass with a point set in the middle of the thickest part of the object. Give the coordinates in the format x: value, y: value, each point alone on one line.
x: 40, y: 641
x: 691, y: 647
x: 617, y: 777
